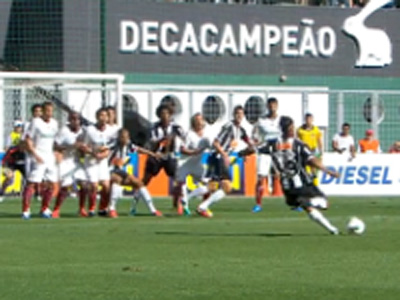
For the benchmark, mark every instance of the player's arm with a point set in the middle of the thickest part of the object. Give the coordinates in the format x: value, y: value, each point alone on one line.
x: 30, y: 147
x: 141, y: 150
x: 353, y: 149
x: 335, y: 146
x: 320, y: 143
x: 316, y: 163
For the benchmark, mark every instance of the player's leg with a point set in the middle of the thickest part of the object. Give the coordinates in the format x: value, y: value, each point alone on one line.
x: 263, y: 171
x: 116, y: 179
x: 104, y: 181
x: 50, y: 187
x: 152, y: 168
x: 35, y: 176
x: 8, y: 180
x: 66, y: 171
x: 170, y: 166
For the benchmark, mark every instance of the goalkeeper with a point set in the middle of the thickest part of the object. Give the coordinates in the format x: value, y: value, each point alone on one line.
x: 310, y: 135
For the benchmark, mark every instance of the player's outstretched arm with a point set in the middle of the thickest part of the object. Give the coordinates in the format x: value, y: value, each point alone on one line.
x: 314, y: 162
x: 148, y: 152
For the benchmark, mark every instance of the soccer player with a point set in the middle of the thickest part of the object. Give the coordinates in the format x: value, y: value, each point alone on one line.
x: 14, y: 158
x: 343, y: 142
x: 96, y: 147
x: 195, y: 145
x: 66, y: 143
x: 120, y: 156
x: 218, y: 162
x: 369, y: 144
x: 164, y: 140
x: 311, y: 136
x: 40, y: 145
x: 290, y: 157
x: 265, y: 131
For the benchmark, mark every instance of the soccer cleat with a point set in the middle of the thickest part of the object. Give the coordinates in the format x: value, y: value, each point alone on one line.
x: 26, y: 215
x: 55, y: 214
x: 179, y: 209
x: 92, y: 213
x: 102, y: 213
x: 297, y: 208
x: 157, y: 213
x: 46, y: 214
x: 1, y: 199
x: 204, y: 213
x: 83, y: 213
x: 132, y: 212
x: 113, y: 214
x: 186, y: 211
x: 335, y: 231
x: 257, y: 208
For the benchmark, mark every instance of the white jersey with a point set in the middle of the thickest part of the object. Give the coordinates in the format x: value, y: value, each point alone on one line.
x: 96, y: 138
x: 114, y: 128
x: 67, y: 138
x: 267, y: 129
x: 192, y: 142
x: 43, y: 135
x: 344, y: 142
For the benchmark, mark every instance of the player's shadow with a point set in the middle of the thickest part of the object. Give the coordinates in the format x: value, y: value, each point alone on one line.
x: 226, y: 234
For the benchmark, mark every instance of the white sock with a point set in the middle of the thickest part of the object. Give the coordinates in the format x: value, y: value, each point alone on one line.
x: 318, y: 217
x: 214, y: 197
x: 135, y: 200
x: 185, y: 200
x: 319, y: 202
x: 145, y: 195
x: 114, y: 196
x: 200, y: 191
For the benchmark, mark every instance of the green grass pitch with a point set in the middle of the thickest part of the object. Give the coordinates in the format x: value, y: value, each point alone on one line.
x: 275, y: 254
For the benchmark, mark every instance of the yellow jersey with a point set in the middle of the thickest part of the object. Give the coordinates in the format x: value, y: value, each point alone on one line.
x: 15, y: 138
x: 309, y: 137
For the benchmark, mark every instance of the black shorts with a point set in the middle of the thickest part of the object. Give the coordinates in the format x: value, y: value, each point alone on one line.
x: 123, y: 174
x: 302, y: 196
x: 17, y: 167
x: 154, y: 166
x: 216, y: 168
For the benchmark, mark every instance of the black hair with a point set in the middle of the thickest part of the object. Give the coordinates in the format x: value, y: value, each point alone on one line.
x: 346, y: 125
x: 162, y: 107
x: 272, y: 100
x: 110, y: 107
x: 284, y: 123
x: 237, y: 108
x: 308, y: 115
x: 100, y: 110
x: 34, y: 107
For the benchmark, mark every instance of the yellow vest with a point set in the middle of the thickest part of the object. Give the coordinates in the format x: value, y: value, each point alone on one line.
x: 309, y: 137
x: 15, y: 138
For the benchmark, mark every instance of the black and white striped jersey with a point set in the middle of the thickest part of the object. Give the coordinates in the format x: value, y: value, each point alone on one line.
x: 230, y: 135
x: 290, y: 158
x: 122, y: 152
x: 160, y: 135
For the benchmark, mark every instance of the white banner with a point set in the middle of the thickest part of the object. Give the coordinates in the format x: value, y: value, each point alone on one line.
x: 365, y: 175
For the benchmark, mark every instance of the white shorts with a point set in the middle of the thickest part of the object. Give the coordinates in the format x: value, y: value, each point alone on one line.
x: 98, y: 171
x: 189, y: 168
x: 47, y: 171
x: 264, y: 163
x: 68, y: 169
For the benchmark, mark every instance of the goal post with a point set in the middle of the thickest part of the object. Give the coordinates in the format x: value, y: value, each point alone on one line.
x: 81, y: 92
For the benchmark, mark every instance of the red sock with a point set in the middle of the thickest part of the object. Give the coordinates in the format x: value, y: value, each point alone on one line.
x: 92, y: 200
x: 205, y: 196
x: 82, y: 197
x: 104, y: 200
x: 47, y: 195
x: 26, y: 197
x: 63, y: 193
x: 259, y: 192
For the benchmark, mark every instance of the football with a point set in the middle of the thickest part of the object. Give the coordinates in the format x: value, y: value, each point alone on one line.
x: 356, y: 226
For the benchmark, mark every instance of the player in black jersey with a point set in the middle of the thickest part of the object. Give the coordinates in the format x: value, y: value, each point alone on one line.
x: 290, y: 157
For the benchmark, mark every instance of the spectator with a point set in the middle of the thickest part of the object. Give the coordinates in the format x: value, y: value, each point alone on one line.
x: 15, y: 136
x: 343, y: 142
x: 368, y: 144
x: 395, y: 148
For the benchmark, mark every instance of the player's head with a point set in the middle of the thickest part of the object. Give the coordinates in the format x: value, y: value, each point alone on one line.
x: 164, y: 112
x: 272, y: 105
x: 309, y: 119
x: 47, y: 109
x: 286, y: 125
x: 112, y: 115
x: 123, y: 136
x: 74, y: 120
x: 369, y: 134
x: 238, y: 114
x: 170, y: 101
x: 102, y: 116
x: 18, y: 125
x: 36, y: 110
x: 197, y: 122
x: 346, y: 129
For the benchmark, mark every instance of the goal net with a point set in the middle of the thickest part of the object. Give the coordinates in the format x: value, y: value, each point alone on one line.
x: 84, y: 93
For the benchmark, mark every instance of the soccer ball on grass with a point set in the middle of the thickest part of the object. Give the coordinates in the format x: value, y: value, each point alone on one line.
x: 356, y: 226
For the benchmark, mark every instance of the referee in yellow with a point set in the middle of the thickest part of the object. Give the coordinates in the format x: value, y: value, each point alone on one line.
x: 310, y: 135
